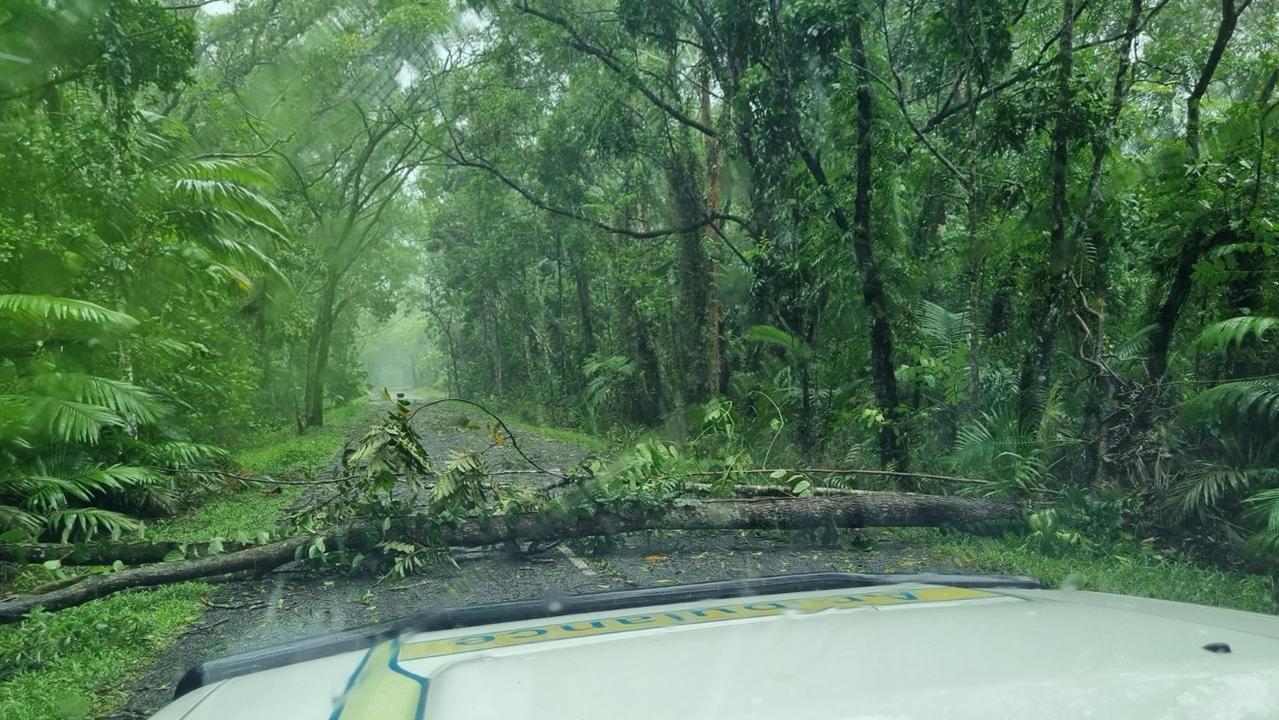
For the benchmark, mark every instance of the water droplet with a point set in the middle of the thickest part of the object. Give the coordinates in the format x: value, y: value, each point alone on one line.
x: 555, y: 606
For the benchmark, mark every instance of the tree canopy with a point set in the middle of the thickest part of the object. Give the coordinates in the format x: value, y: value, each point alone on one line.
x: 1031, y: 241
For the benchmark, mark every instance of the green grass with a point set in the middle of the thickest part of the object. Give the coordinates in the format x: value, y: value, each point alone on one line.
x: 1141, y: 573
x: 284, y: 451
x: 79, y: 662
x: 247, y: 512
x: 243, y: 514
x: 76, y: 663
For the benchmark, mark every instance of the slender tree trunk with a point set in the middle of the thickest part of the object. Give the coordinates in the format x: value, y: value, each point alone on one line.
x: 318, y: 353
x: 1169, y: 309
x: 495, y: 341
x: 1046, y: 314
x: 692, y: 278
x: 714, y: 367
x: 585, y: 322
x: 1096, y: 285
x: 892, y: 447
x: 557, y: 327
x: 976, y: 258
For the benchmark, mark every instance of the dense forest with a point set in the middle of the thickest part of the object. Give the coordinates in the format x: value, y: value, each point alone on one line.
x: 1026, y: 241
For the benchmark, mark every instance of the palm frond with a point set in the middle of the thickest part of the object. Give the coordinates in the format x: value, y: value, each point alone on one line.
x: 1223, y: 334
x: 12, y: 518
x: 225, y: 190
x: 1263, y: 507
x: 777, y: 337
x: 46, y: 308
x: 88, y: 522
x: 944, y: 331
x: 1134, y: 345
x: 1205, y: 485
x: 124, y: 399
x: 186, y: 455
x: 243, y: 252
x: 71, y: 421
x: 1240, y: 400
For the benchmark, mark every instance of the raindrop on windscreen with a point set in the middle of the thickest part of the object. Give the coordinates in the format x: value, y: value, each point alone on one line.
x: 555, y: 606
x: 1072, y: 581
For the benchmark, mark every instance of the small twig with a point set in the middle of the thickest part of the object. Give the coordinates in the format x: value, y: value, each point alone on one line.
x: 228, y: 606
x: 206, y: 628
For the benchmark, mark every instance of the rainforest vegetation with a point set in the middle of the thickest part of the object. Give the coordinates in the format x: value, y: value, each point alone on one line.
x: 1013, y: 252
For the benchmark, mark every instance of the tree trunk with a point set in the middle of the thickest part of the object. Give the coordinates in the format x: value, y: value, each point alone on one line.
x: 495, y: 342
x: 853, y: 510
x: 1045, y: 316
x: 261, y: 559
x: 714, y: 366
x: 318, y: 353
x: 1096, y: 284
x: 692, y: 279
x: 1179, y: 289
x: 892, y: 447
x: 586, y: 326
x: 107, y: 552
x: 976, y: 257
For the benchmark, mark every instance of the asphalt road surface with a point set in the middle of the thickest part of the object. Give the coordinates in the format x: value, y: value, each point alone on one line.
x: 293, y: 603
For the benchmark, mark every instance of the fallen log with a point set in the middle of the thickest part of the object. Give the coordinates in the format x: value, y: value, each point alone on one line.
x: 774, y: 491
x: 106, y: 553
x: 854, y: 509
x: 261, y: 558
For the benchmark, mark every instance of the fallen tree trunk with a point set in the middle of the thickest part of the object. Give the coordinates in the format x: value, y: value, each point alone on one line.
x: 106, y: 553
x: 853, y: 509
x: 858, y: 508
x: 261, y: 559
x: 773, y: 491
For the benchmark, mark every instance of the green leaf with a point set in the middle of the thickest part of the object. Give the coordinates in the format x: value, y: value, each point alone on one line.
x: 13, y: 535
x: 66, y: 310
x: 1234, y: 331
x: 174, y: 555
x: 778, y: 337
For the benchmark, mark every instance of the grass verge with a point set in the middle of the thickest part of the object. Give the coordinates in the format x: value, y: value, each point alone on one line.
x: 1143, y: 573
x: 79, y: 662
x: 284, y: 451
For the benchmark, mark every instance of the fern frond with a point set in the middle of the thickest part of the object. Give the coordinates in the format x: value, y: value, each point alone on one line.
x: 124, y: 399
x: 71, y: 421
x: 1134, y: 345
x: 46, y: 308
x: 15, y: 518
x: 1205, y: 485
x: 186, y: 455
x: 1240, y: 400
x: 943, y: 330
x: 88, y: 522
x: 1223, y: 334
